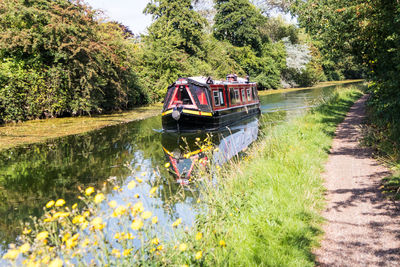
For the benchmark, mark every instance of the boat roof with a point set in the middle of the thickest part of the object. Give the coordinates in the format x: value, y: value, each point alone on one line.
x: 205, y: 81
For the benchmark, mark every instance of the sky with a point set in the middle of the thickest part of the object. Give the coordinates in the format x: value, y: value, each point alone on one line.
x: 130, y: 13
x: 127, y: 12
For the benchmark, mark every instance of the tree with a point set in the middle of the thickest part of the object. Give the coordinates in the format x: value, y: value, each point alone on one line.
x: 178, y: 20
x: 237, y: 21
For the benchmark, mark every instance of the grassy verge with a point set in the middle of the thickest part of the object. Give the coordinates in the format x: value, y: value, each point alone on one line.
x: 259, y: 211
x: 319, y: 85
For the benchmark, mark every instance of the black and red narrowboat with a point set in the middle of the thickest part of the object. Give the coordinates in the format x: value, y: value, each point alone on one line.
x: 199, y: 103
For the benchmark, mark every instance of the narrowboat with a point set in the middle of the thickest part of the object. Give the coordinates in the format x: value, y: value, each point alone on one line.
x: 199, y: 103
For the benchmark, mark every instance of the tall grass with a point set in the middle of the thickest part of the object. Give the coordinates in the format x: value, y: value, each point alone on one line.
x: 262, y: 210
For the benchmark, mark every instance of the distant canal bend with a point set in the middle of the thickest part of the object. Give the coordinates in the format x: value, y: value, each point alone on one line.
x: 32, y: 175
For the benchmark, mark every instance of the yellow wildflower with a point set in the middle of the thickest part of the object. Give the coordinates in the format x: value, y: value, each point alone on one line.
x: 48, y: 219
x: 117, y: 236
x: 60, y: 215
x: 130, y: 236
x: 26, y: 231
x: 222, y: 243
x: 154, y: 220
x: 144, y: 173
x: 138, y: 207
x: 60, y: 202
x: 89, y: 191
x: 66, y: 236
x: 137, y: 224
x: 97, y: 223
x: 167, y: 165
x: 24, y: 248
x: 182, y: 247
x: 185, y: 265
x: 84, y: 225
x: 127, y: 252
x: 152, y: 250
x: 11, y: 254
x: 116, y: 187
x: 86, y: 214
x: 197, y: 139
x: 112, y: 203
x: 116, y: 253
x: 155, y: 241
x: 78, y: 219
x: 177, y: 222
x: 199, y: 236
x: 50, y: 204
x: 56, y: 263
x: 75, y: 206
x: 70, y: 243
x: 120, y: 210
x: 85, y: 242
x: 199, y: 254
x: 153, y: 190
x: 131, y: 184
x: 146, y: 215
x: 136, y: 196
x: 99, y: 198
x: 160, y: 247
x: 42, y: 235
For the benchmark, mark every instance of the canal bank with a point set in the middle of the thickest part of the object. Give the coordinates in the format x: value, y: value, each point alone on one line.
x: 36, y: 131
x: 264, y: 209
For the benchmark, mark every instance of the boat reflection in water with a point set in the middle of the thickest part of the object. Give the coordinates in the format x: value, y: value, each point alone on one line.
x: 184, y: 150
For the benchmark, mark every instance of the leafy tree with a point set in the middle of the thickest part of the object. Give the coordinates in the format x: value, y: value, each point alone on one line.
x: 237, y: 21
x: 58, y: 59
x: 178, y: 20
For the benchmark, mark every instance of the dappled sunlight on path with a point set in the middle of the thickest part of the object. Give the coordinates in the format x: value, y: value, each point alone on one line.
x: 362, y: 227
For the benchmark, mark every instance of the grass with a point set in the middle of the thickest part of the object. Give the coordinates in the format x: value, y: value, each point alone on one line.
x: 36, y: 131
x: 266, y: 207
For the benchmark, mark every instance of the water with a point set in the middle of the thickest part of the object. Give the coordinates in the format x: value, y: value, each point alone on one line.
x: 32, y: 175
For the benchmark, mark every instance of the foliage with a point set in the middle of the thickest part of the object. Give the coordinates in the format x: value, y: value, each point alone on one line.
x: 367, y: 32
x: 237, y: 21
x: 65, y: 61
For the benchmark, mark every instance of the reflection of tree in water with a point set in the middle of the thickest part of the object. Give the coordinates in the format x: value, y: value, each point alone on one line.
x: 32, y: 175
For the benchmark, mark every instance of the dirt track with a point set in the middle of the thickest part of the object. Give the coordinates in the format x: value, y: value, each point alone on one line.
x: 362, y: 228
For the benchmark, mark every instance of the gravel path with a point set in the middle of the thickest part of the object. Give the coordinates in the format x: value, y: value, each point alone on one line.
x: 362, y: 227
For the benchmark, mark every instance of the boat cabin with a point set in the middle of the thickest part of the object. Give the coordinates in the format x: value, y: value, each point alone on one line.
x: 199, y: 103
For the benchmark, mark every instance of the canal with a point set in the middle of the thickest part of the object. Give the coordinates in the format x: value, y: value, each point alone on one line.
x: 32, y: 175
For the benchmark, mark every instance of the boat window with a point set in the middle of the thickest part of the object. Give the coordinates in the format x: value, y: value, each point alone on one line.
x: 216, y: 98
x: 243, y: 95
x: 221, y: 97
x: 234, y: 94
x: 182, y: 95
x: 201, y: 95
x: 248, y: 94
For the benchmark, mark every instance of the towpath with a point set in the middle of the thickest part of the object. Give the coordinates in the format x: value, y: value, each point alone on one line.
x: 362, y: 227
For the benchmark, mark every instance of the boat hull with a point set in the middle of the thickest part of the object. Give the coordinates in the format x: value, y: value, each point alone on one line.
x: 191, y: 122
